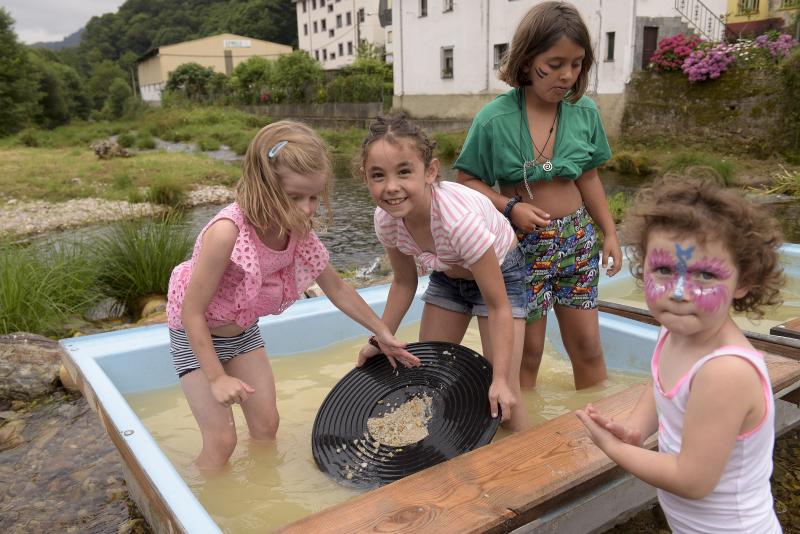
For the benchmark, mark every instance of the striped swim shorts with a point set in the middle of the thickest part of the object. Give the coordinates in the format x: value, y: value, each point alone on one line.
x: 227, y: 348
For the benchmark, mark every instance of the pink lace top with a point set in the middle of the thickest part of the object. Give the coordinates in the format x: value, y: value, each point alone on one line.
x: 257, y: 281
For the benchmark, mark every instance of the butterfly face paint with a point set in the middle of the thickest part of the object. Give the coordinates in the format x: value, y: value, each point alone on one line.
x: 703, y: 282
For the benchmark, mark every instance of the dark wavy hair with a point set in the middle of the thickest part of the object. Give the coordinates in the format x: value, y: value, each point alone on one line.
x: 540, y: 28
x: 707, y: 211
x: 393, y: 128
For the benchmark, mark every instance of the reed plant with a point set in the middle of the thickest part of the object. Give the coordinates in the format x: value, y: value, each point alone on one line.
x: 685, y: 160
x: 135, y: 258
x: 448, y: 145
x: 40, y: 289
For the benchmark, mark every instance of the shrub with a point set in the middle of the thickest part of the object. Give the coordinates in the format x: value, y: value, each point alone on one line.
x: 207, y: 144
x: 146, y: 141
x: 617, y: 205
x: 136, y: 258
x: 166, y: 192
x: 779, y: 45
x: 40, y: 289
x: 672, y: 51
x: 708, y: 63
x: 448, y: 145
x: 126, y: 140
x: 631, y: 163
x: 685, y: 160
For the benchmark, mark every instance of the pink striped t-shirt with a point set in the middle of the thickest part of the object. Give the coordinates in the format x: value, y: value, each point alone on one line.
x: 464, y: 224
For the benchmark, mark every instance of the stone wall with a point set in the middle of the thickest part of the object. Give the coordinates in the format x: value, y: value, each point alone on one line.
x: 744, y: 111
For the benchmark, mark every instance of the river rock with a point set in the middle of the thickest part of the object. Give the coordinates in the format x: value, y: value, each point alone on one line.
x: 29, y: 366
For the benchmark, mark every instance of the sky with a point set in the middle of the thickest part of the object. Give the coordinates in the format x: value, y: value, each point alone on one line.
x: 52, y: 20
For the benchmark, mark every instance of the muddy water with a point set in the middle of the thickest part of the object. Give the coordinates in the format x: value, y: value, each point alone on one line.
x: 268, y: 486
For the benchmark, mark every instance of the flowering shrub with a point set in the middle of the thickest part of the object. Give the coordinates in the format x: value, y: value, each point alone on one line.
x: 779, y: 45
x: 672, y: 51
x: 708, y: 63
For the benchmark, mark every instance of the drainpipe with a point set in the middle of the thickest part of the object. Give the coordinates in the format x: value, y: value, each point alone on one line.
x: 599, y: 48
x: 631, y: 59
x: 488, y: 44
x: 402, y: 53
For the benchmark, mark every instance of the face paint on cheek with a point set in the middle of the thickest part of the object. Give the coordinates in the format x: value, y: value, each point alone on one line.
x: 541, y: 73
x: 709, y: 299
x: 654, y: 290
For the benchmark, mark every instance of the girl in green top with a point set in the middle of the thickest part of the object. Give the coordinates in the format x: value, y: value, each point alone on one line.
x: 541, y: 143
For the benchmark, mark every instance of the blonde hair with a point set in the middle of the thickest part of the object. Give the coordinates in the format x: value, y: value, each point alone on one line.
x: 707, y: 211
x: 259, y: 192
x: 538, y: 31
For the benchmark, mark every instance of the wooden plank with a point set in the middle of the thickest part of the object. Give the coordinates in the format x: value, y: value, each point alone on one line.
x: 780, y: 345
x: 790, y: 329
x: 501, y: 486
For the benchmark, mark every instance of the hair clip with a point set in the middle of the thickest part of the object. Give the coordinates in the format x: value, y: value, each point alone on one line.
x: 277, y: 148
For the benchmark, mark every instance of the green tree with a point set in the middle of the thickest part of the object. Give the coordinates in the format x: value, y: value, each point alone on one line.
x: 103, y: 75
x: 18, y: 84
x: 250, y: 78
x: 118, y: 95
x: 297, y: 76
x: 191, y: 79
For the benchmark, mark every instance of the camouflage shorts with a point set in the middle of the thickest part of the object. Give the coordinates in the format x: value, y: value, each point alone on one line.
x: 561, y: 264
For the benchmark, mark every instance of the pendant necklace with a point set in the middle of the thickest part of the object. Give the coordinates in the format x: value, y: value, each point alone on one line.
x: 547, y: 166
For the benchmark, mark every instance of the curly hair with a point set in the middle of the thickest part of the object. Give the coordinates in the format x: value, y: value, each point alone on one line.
x: 707, y: 211
x: 393, y: 128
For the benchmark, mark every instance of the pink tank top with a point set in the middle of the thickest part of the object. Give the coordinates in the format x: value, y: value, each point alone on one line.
x: 742, y: 500
x: 257, y: 281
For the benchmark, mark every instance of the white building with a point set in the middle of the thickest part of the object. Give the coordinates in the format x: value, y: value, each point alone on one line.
x: 330, y: 30
x: 446, y: 52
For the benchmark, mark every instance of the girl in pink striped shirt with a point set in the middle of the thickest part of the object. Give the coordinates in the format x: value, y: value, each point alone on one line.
x: 459, y: 235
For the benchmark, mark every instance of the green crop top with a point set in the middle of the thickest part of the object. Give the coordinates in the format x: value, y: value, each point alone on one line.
x: 499, y: 143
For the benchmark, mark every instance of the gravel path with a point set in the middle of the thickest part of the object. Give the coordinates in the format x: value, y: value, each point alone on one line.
x: 26, y: 218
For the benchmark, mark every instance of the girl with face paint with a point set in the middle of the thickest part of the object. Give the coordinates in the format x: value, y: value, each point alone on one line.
x: 542, y: 143
x: 701, y: 250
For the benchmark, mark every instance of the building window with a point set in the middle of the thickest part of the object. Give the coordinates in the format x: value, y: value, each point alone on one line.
x: 330, y: 8
x: 447, y: 62
x: 305, y: 29
x: 610, y: 36
x: 499, y: 53
x: 747, y: 7
x: 349, y: 48
x: 331, y: 32
x: 304, y: 6
x: 341, y: 49
x: 324, y: 55
x: 316, y: 55
x: 348, y: 17
x: 313, y: 4
x: 323, y: 24
x: 315, y: 26
x: 321, y: 3
x: 447, y: 5
x: 333, y: 56
x: 338, y: 21
x: 423, y: 8
x: 360, y: 15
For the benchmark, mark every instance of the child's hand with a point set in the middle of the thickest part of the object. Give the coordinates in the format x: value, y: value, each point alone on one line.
x: 366, y: 352
x: 229, y: 390
x: 500, y: 393
x: 527, y: 217
x: 395, y: 350
x: 605, y: 432
x: 612, y: 249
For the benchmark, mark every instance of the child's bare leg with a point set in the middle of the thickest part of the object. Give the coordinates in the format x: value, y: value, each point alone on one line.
x: 582, y: 341
x: 215, y: 421
x: 532, y: 353
x: 439, y: 324
x: 519, y: 415
x: 260, y: 409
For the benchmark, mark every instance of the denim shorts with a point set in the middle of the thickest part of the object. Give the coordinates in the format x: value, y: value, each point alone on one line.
x: 464, y: 296
x: 227, y: 348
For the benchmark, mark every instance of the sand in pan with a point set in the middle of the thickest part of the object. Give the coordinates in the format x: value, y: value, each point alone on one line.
x: 406, y: 424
